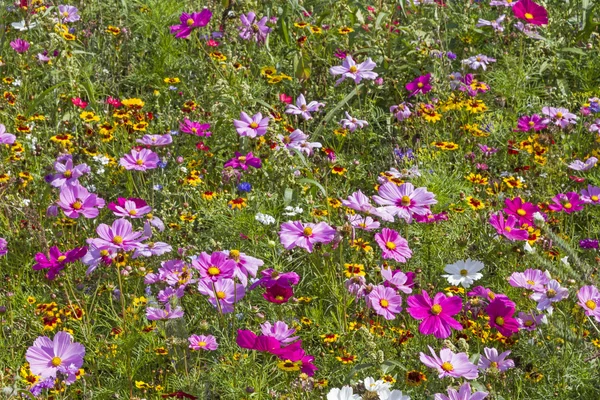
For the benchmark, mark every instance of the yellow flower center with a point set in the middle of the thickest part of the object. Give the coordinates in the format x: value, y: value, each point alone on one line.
x: 499, y: 321
x: 132, y: 212
x: 436, y: 309
x: 594, y: 198
x: 405, y: 201
x: 446, y: 366
x: 390, y: 245
x: 61, y: 258
x: 568, y: 206
x: 65, y: 14
x: 68, y: 173
x: 77, y: 205
x: 551, y: 293
x: 531, y: 282
x: 189, y: 22
x: 194, y: 130
x: 528, y: 16
x: 531, y: 123
x: 307, y: 231
x: 234, y: 255
x: 521, y: 212
x: 384, y: 303
x: 253, y: 125
x: 353, y: 69
x: 221, y: 295
x: 528, y: 322
x: 507, y: 228
x: 56, y: 361
x: 213, y: 271
x: 104, y: 253
x: 558, y: 114
x: 201, y: 344
x: 591, y: 304
x: 493, y: 364
x: 420, y: 85
x: 117, y: 240
x: 464, y: 272
x: 242, y: 158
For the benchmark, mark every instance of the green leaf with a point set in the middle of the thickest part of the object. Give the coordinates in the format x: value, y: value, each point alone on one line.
x: 315, y: 183
x: 573, y: 50
x: 42, y: 96
x: 339, y: 105
x: 379, y: 19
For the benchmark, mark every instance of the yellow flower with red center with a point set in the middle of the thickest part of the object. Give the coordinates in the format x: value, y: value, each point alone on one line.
x: 68, y: 36
x: 513, y: 182
x: 415, y: 378
x: 140, y: 126
x: 238, y: 203
x: 344, y: 30
x: 172, y: 81
x: 475, y: 106
x: 187, y: 217
x: 218, y: 56
x: 113, y: 30
x: 316, y: 30
x: 133, y: 103
x: 354, y: 270
x: 64, y: 139
x: 477, y: 179
x: 330, y: 337
x: 334, y: 203
x: 268, y: 71
x: 474, y: 203
x: 346, y: 358
x: 89, y: 116
x: 338, y: 170
x: 301, y: 24
x: 360, y: 244
x: 289, y: 366
x: 208, y: 195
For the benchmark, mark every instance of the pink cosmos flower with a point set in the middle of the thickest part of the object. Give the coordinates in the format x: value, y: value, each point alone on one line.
x: 591, y: 195
x: 559, y: 116
x: 435, y: 313
x: 158, y: 314
x: 450, y: 364
x: 67, y: 174
x: 589, y: 300
x: 213, y: 267
x: 20, y: 46
x: 244, y: 265
x: 496, y: 24
x: 253, y: 28
x: 491, y: 360
x: 359, y: 202
x: 278, y: 294
x: 550, y: 295
x: 243, y: 162
x: 357, y: 72
x: 68, y: 13
x: 303, y: 109
x: 531, y: 12
x: 393, y: 245
x: 521, y: 210
x: 364, y: 223
x: 56, y: 261
x: 398, y: 279
x: 569, y: 203
x: 119, y: 236
x: 156, y: 140
x: 463, y: 393
x: 579, y: 165
x: 96, y: 257
x: 75, y: 200
x: 385, y: 301
x: 532, y: 279
x: 48, y: 357
x: 6, y: 138
x: 404, y: 201
x: 352, y: 123
x: 530, y: 321
x: 194, y: 128
x: 401, y: 111
x: 507, y: 228
x: 420, y: 85
x: 222, y: 294
x: 203, y: 342
x: 251, y: 126
x: 305, y: 235
x: 189, y: 22
x: 129, y: 208
x: 279, y: 330
x: 3, y: 247
x: 501, y: 311
x: 139, y: 160
x: 527, y: 123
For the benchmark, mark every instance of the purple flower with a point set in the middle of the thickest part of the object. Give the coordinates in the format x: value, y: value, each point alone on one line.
x: 242, y: 162
x: 551, y: 294
x: 48, y: 357
x: 401, y: 111
x: 450, y: 364
x: 305, y: 235
x: 158, y: 314
x: 420, y: 85
x: 579, y: 165
x: 463, y: 393
x: 222, y: 294
x: 156, y: 140
x: 530, y: 321
x: 494, y: 361
x: 303, y: 109
x: 357, y: 72
x: 19, y: 45
x: 352, y: 123
x: 119, y: 236
x: 253, y: 29
x: 487, y: 151
x: 3, y: 247
x: 251, y: 126
x: 478, y: 61
x: 68, y: 13
x: 67, y: 174
x: 496, y: 25
x: 279, y: 331
x: 585, y: 244
x: 527, y: 123
x: 569, y: 203
x: 385, y: 301
x: 140, y: 160
x: 56, y: 261
x: 559, y: 116
x: 189, y: 22
x: 6, y: 138
x: 75, y: 200
x: 129, y: 208
x: 202, y: 342
x: 532, y: 279
x: 194, y: 128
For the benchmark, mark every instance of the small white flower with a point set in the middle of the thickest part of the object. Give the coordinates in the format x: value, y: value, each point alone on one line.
x: 17, y: 82
x: 464, y: 273
x: 345, y: 393
x: 264, y: 219
x: 22, y: 26
x: 538, y: 217
x: 25, y: 202
x: 102, y: 159
x: 380, y: 387
x: 565, y: 260
x: 100, y: 171
x: 183, y: 169
x: 527, y: 247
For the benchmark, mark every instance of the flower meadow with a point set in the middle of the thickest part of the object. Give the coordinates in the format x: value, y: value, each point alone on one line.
x: 296, y: 199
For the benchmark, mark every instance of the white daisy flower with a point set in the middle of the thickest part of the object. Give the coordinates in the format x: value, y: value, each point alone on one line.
x: 463, y: 272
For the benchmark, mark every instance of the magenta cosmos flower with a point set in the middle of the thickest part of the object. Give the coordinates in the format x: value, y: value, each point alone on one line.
x: 531, y: 12
x: 75, y: 200
x: 501, y: 311
x: 404, y: 201
x: 507, y: 228
x: 305, y: 235
x: 251, y: 126
x: 521, y: 210
x: 194, y: 128
x: 527, y: 123
x: 435, y: 313
x: 129, y: 208
x: 243, y: 162
x: 222, y: 294
x: 271, y: 278
x: 589, y: 300
x: 420, y: 85
x: 385, y: 301
x: 569, y: 203
x: 493, y: 361
x: 140, y: 160
x: 450, y: 364
x: 302, y: 108
x: 357, y: 72
x: 3, y: 247
x: 214, y: 266
x: 393, y: 245
x: 6, y: 138
x: 48, y: 357
x: 203, y: 342
x: 119, y: 236
x: 19, y: 45
x: 56, y: 261
x: 463, y: 393
x: 189, y: 22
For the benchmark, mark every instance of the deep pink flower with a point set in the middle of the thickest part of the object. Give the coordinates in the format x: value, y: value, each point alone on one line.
x: 393, y: 245
x: 19, y: 45
x: 270, y: 278
x: 527, y: 123
x: 214, y: 267
x: 521, y: 210
x: 404, y: 201
x: 385, y: 301
x: 420, y: 85
x: 189, y: 22
x: 531, y: 12
x: 450, y: 364
x: 243, y: 162
x: 569, y: 203
x: 305, y: 235
x: 435, y: 313
x: 507, y: 228
x: 139, y: 160
x: 78, y: 102
x: 501, y: 311
x: 278, y: 294
x: 56, y: 261
x: 194, y: 128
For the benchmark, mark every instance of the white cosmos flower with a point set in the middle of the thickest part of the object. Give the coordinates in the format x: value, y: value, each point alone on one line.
x: 463, y: 273
x: 345, y: 393
x: 22, y: 26
x: 397, y: 395
x: 380, y: 387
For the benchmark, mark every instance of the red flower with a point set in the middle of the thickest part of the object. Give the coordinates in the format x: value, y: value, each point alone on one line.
x: 531, y: 12
x: 179, y: 395
x: 79, y: 103
x: 285, y: 98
